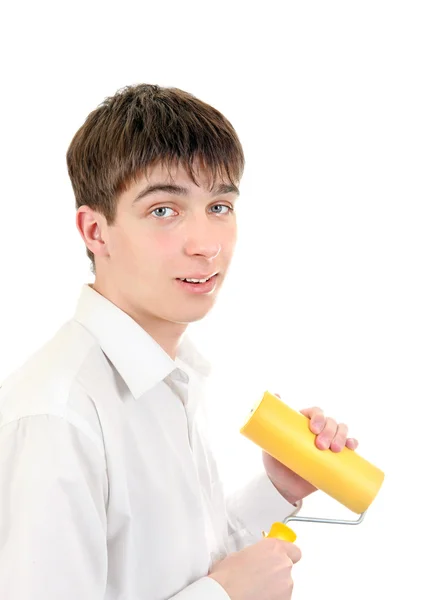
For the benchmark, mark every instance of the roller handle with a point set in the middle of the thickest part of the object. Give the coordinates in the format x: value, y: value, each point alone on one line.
x: 282, y: 532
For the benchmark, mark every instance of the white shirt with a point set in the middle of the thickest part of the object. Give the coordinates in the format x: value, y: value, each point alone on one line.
x: 108, y: 487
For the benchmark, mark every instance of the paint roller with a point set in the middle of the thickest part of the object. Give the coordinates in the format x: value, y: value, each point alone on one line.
x: 285, y: 434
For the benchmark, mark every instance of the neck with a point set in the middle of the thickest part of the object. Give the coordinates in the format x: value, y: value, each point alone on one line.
x: 165, y: 333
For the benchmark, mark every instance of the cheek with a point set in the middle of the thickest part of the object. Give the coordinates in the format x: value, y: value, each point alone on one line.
x: 164, y: 247
x: 229, y: 239
x: 155, y: 253
x: 164, y: 244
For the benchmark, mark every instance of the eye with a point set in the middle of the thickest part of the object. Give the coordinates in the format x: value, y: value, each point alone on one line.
x: 161, y: 208
x: 160, y: 212
x: 230, y: 209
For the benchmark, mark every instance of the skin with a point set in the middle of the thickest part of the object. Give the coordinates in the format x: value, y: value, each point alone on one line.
x: 161, y: 237
x: 139, y: 258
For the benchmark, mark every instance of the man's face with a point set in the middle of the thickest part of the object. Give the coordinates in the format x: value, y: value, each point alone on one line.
x: 163, y: 236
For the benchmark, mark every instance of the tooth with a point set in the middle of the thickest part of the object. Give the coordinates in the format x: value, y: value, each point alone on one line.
x: 196, y: 280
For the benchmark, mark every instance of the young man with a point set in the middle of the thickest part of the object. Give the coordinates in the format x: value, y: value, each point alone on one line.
x: 108, y: 488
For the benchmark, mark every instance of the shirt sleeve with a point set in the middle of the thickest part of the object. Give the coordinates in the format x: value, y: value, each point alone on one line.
x: 250, y: 510
x: 53, y: 541
x: 253, y: 509
x: 205, y: 588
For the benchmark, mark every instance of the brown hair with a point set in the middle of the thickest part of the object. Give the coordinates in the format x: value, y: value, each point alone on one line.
x: 142, y: 125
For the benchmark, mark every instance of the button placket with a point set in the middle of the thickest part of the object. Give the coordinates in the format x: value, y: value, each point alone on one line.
x: 187, y: 388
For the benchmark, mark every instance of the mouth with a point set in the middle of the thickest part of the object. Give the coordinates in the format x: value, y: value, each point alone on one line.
x: 198, y: 279
x: 198, y: 285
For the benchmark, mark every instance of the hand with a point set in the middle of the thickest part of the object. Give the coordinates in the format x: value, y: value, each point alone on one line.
x: 329, y: 435
x: 261, y: 570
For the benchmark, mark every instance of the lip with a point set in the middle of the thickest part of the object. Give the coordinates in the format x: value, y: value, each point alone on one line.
x: 199, y: 288
x: 199, y: 276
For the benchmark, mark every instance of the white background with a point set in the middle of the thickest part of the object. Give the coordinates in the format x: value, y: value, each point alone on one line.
x: 324, y: 301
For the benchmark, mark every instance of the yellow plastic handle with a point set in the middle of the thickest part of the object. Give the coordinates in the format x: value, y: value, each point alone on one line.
x: 282, y: 532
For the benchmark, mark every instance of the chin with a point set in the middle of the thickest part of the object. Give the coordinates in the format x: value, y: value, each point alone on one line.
x: 190, y: 316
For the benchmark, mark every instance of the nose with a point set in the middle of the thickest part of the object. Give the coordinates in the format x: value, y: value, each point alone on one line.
x: 202, y: 238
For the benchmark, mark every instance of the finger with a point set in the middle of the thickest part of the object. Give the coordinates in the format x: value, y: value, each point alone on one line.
x: 293, y: 552
x: 324, y: 439
x: 340, y: 438
x: 317, y: 418
x: 286, y: 548
x: 351, y: 443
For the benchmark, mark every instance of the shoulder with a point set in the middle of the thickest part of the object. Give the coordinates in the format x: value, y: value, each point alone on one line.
x: 53, y: 382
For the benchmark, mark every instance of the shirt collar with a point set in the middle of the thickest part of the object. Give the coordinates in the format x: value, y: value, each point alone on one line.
x: 139, y: 359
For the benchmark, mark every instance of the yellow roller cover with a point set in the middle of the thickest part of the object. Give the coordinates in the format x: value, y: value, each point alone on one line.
x: 284, y: 433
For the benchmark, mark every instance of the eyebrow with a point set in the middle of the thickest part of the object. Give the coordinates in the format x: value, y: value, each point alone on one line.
x: 177, y: 190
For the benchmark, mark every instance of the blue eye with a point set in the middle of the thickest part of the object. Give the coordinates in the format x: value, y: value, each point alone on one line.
x: 223, y: 206
x: 164, y: 208
x: 161, y: 208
